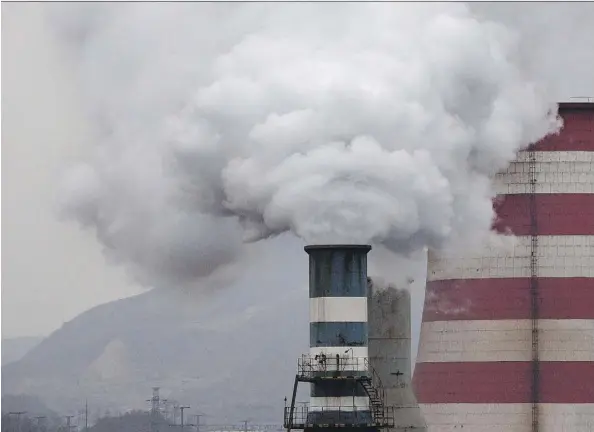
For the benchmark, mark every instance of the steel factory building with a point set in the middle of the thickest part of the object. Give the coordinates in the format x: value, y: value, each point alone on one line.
x: 507, y: 339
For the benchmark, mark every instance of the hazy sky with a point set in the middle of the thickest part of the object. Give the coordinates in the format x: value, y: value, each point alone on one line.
x: 51, y: 271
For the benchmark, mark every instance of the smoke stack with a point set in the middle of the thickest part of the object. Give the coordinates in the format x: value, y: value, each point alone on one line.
x: 338, y: 330
x: 389, y: 352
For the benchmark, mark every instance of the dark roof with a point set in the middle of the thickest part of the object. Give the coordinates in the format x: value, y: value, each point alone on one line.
x: 576, y: 106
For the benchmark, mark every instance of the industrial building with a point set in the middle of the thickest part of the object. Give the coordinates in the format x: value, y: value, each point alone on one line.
x: 507, y: 338
x: 358, y: 370
x: 389, y: 353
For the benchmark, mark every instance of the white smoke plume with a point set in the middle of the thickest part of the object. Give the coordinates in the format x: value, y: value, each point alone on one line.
x: 219, y: 124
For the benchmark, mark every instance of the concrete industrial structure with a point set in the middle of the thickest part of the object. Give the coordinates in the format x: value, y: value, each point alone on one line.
x: 507, y: 339
x: 389, y: 312
x: 359, y: 361
x: 345, y: 392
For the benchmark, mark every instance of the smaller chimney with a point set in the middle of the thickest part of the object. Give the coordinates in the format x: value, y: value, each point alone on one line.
x: 389, y: 353
x: 338, y: 332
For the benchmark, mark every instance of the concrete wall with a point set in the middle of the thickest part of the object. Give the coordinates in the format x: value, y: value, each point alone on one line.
x: 389, y: 353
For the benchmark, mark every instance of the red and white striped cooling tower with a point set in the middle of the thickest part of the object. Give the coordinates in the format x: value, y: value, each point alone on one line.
x: 507, y: 339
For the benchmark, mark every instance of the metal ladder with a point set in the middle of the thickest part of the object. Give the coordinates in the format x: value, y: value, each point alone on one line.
x: 375, y: 393
x: 534, y: 290
x: 375, y: 399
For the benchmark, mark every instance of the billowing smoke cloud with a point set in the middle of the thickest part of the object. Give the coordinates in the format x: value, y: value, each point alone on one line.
x: 556, y: 41
x: 219, y: 124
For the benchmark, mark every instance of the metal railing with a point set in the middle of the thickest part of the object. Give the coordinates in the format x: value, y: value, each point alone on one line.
x: 328, y: 366
x: 304, y: 416
x: 320, y: 365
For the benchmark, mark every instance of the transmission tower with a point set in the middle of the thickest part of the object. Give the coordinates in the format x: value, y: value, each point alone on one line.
x: 69, y: 426
x: 155, y: 416
x: 39, y: 427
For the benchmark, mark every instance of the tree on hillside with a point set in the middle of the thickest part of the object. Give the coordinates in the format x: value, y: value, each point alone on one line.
x: 134, y: 421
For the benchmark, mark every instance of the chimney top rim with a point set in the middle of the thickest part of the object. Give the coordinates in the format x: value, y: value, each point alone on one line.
x: 363, y: 247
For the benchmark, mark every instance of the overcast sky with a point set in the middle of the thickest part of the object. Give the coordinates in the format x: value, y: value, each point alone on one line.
x: 52, y: 271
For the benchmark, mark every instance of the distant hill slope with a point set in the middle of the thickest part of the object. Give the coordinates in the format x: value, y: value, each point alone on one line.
x: 231, y: 354
x: 14, y: 349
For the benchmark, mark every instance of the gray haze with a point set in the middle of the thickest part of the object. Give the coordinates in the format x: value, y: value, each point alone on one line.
x: 14, y: 349
x: 52, y: 271
x: 557, y: 41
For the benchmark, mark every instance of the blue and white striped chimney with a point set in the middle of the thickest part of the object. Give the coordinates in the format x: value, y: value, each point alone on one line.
x: 338, y: 331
